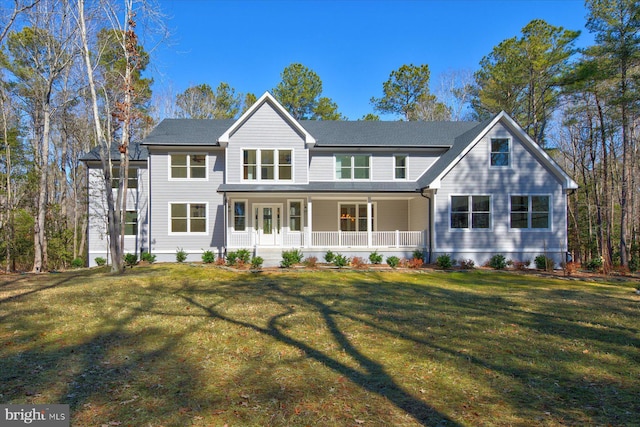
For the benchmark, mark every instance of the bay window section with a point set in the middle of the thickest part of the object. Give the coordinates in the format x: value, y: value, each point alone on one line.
x: 188, y: 217
x: 471, y: 212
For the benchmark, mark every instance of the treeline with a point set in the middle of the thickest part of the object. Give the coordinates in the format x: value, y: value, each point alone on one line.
x: 73, y: 76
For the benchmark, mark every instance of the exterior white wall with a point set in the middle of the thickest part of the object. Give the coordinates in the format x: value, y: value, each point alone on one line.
x: 474, y: 176
x: 98, y: 244
x: 266, y: 128
x: 165, y: 191
x: 382, y: 166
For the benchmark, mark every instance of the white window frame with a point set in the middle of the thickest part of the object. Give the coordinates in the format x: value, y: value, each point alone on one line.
x: 137, y: 222
x: 406, y: 166
x: 528, y: 229
x: 247, y: 215
x: 189, y: 232
x: 276, y: 165
x: 115, y: 180
x: 470, y: 228
x: 353, y: 166
x: 509, y: 152
x: 188, y: 166
x: 301, y: 215
x: 374, y: 210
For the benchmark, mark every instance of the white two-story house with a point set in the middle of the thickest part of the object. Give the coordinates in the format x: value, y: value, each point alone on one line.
x: 267, y: 182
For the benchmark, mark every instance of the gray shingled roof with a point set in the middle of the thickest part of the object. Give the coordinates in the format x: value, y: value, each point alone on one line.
x: 136, y: 153
x: 326, y: 133
x: 187, y: 132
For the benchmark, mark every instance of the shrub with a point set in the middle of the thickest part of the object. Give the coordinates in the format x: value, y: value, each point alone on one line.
x: 393, y: 261
x: 329, y: 256
x: 256, y: 262
x: 498, y: 262
x: 147, y: 257
x: 543, y: 262
x: 130, y: 259
x: 290, y: 258
x: 414, y: 263
x: 375, y: 257
x: 417, y: 254
x: 181, y: 255
x: 594, y: 264
x: 340, y: 260
x: 444, y: 261
x: 77, y: 263
x: 311, y: 262
x: 100, y: 261
x: 358, y: 262
x: 570, y: 267
x: 208, y: 257
x: 232, y: 258
x: 634, y: 264
x: 244, y: 256
x: 467, y: 264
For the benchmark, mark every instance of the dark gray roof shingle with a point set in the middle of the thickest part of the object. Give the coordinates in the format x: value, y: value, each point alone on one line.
x: 187, y: 132
x: 136, y: 153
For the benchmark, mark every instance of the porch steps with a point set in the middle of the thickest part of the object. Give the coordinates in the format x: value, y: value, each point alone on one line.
x: 271, y: 256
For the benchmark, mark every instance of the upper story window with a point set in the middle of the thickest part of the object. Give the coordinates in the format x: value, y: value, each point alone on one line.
x: 267, y: 165
x: 131, y: 223
x: 188, y: 166
x: 530, y: 212
x: 132, y: 179
x: 500, y: 152
x: 352, y: 166
x: 471, y: 212
x: 400, y: 168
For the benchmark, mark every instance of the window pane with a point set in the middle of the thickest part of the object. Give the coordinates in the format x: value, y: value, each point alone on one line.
x: 179, y: 166
x: 480, y: 203
x: 131, y: 223
x: 295, y: 209
x: 540, y: 203
x: 519, y: 204
x: 500, y: 145
x: 401, y: 167
x: 348, y: 218
x: 284, y: 157
x: 266, y: 157
x: 519, y: 220
x: 178, y: 160
x: 198, y: 225
x: 249, y: 157
x: 198, y: 210
x: 250, y: 172
x: 179, y: 225
x: 132, y: 182
x: 343, y: 167
x: 459, y: 204
x: 178, y: 210
x: 539, y: 220
x: 198, y: 166
x: 499, y: 159
x: 284, y: 172
x: 295, y: 224
x: 361, y: 173
x: 481, y: 220
x: 267, y: 172
x: 459, y: 220
x: 361, y: 161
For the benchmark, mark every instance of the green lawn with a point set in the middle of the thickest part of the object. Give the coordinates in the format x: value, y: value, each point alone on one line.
x: 180, y: 345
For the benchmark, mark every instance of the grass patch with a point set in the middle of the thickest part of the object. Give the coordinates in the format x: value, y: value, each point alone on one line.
x: 177, y: 344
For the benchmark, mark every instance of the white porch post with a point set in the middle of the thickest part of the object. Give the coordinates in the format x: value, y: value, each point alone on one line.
x: 309, y: 242
x: 369, y: 223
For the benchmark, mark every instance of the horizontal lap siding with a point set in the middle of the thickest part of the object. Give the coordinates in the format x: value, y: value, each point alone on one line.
x: 526, y: 176
x: 266, y: 129
x: 321, y: 166
x: 165, y: 191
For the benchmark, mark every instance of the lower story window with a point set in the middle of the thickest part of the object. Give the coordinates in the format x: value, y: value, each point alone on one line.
x: 471, y: 212
x: 131, y: 223
x: 530, y: 212
x: 188, y: 218
x: 295, y: 216
x: 239, y: 216
x: 353, y: 217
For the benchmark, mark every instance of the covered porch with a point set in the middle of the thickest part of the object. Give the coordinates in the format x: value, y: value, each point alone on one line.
x: 327, y: 221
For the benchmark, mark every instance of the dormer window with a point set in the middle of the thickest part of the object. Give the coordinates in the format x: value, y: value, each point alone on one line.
x: 354, y: 166
x: 500, y: 152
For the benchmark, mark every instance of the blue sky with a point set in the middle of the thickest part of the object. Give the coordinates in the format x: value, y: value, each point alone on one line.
x: 352, y: 45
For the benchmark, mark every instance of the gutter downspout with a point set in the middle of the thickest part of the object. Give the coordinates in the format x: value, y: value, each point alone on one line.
x: 226, y: 222
x: 430, y: 248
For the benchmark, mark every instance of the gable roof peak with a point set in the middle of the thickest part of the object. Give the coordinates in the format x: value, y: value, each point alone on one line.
x: 266, y: 98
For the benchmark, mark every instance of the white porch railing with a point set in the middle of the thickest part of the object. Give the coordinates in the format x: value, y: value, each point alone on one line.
x: 381, y: 239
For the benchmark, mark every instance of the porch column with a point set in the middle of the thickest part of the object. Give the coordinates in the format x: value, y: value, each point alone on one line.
x: 309, y: 235
x: 369, y: 223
